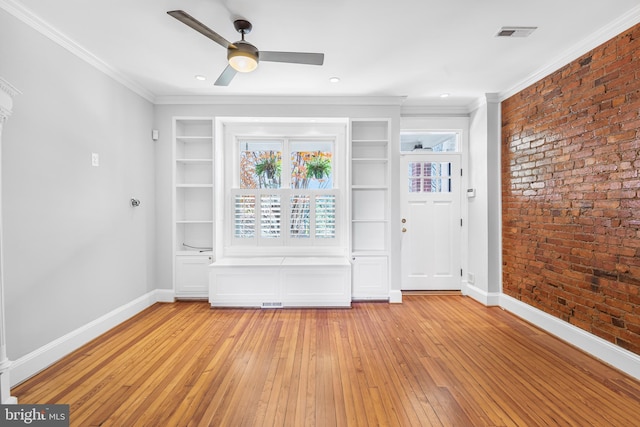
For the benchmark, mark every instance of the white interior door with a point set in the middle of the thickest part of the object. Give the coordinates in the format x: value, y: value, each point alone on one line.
x: 431, y: 228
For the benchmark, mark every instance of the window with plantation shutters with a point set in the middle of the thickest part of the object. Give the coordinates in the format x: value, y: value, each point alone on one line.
x: 285, y: 194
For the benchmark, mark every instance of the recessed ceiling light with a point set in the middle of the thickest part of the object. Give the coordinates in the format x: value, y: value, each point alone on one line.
x: 201, y: 78
x: 444, y: 95
x: 334, y: 79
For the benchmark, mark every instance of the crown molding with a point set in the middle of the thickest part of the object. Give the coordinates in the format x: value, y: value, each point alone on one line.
x: 435, y: 111
x: 7, y: 93
x: 29, y: 18
x: 4, y: 114
x: 597, y: 38
x: 7, y: 88
x: 278, y: 100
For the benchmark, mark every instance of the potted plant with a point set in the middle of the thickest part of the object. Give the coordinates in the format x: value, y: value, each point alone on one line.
x: 269, y: 167
x: 318, y: 167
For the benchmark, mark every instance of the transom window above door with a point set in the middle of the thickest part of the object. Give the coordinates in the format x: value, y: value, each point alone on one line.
x: 429, y: 141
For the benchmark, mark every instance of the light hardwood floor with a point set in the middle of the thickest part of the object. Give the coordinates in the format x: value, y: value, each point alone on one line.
x: 435, y: 360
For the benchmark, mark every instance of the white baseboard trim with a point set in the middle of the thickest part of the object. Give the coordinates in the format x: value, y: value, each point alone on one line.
x: 482, y: 296
x: 165, y: 295
x: 39, y: 359
x: 395, y: 296
x: 599, y: 348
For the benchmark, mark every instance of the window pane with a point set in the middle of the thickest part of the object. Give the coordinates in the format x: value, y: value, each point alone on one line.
x: 311, y: 164
x: 260, y: 164
x: 299, y: 218
x: 437, y: 185
x: 270, y: 216
x: 415, y: 185
x: 245, y: 216
x: 418, y: 142
x: 429, y: 177
x: 437, y: 168
x: 326, y: 216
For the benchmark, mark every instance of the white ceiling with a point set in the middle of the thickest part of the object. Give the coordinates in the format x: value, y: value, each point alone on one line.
x: 416, y: 49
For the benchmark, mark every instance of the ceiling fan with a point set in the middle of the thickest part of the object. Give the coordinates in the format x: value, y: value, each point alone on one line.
x: 243, y: 56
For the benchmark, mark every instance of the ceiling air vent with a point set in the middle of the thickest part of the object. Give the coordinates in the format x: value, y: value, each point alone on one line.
x: 515, y: 31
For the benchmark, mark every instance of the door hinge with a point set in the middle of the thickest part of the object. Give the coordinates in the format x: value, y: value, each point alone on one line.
x: 460, y: 272
x: 460, y: 222
x: 460, y: 171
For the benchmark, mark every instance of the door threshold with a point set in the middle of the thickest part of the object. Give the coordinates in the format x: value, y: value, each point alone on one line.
x: 431, y: 292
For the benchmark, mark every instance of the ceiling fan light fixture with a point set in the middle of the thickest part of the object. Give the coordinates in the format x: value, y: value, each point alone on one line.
x: 243, y: 58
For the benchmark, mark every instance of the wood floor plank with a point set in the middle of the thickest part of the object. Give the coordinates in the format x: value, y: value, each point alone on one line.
x: 435, y: 360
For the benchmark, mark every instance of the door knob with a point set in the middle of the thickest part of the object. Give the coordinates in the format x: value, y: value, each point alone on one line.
x: 404, y: 230
x: 404, y: 220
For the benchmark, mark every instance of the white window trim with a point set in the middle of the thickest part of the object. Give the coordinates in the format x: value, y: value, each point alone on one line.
x: 228, y: 135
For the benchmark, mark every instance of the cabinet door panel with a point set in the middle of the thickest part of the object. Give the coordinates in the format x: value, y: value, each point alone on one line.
x: 370, y: 277
x: 192, y: 275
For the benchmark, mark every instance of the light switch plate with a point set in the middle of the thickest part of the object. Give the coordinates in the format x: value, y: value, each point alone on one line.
x: 95, y: 159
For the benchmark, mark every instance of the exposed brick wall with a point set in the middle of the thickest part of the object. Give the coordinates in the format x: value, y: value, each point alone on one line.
x: 571, y: 192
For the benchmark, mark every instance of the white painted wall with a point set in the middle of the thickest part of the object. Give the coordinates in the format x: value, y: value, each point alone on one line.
x: 478, y: 220
x: 494, y: 199
x: 484, y: 236
x: 74, y: 248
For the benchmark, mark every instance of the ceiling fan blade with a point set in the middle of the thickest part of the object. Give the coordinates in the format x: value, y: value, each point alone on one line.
x: 293, y: 57
x: 192, y: 22
x: 225, y: 78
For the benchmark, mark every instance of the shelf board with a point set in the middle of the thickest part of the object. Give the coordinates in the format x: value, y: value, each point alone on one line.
x: 369, y: 253
x: 195, y: 161
x: 370, y: 159
x: 188, y: 139
x: 382, y: 221
x: 194, y: 221
x: 194, y: 185
x: 370, y: 141
x: 192, y: 252
x: 369, y: 187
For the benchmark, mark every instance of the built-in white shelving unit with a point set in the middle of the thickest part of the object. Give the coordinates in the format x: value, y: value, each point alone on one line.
x: 370, y: 208
x: 193, y: 234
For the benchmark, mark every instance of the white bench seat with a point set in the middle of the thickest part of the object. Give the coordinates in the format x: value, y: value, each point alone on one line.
x: 273, y: 282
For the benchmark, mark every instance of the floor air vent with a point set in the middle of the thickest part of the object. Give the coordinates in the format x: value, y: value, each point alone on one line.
x: 271, y: 305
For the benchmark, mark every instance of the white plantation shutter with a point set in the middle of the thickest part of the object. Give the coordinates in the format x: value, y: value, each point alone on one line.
x: 244, y: 218
x: 299, y: 216
x: 325, y: 216
x: 270, y: 210
x: 285, y: 217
